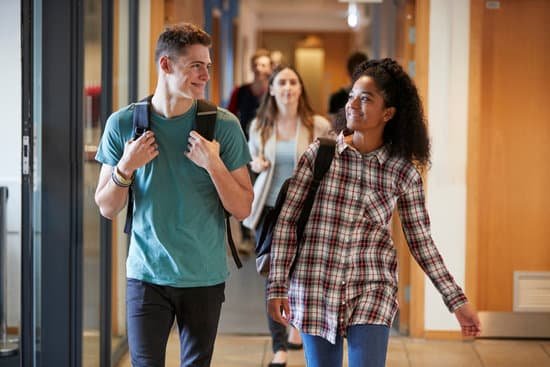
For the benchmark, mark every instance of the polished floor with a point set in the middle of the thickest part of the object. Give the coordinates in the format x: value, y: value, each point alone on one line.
x: 243, y: 340
x: 244, y: 351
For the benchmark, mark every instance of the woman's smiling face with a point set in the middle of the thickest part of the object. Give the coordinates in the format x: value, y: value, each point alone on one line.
x: 366, y: 109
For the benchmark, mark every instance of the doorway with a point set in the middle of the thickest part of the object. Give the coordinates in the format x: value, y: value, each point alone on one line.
x: 508, y: 175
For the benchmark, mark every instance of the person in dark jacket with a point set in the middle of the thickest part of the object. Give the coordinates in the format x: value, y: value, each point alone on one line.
x: 245, y: 99
x: 339, y: 98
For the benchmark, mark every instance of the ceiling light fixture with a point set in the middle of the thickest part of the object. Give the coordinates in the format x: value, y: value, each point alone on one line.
x: 353, y: 15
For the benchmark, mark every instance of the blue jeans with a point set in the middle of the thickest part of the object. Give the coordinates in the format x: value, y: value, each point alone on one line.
x: 151, y: 310
x: 367, y: 347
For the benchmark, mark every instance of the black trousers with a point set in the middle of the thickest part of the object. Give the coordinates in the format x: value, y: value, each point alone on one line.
x: 151, y: 310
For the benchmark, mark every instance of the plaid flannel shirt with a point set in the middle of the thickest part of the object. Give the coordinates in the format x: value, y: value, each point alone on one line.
x: 346, y: 273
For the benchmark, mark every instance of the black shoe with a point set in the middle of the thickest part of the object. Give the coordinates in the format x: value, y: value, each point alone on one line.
x: 294, y: 346
x: 271, y: 364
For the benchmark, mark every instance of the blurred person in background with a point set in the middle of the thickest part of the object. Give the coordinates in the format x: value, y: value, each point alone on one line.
x: 277, y: 59
x: 245, y: 99
x: 338, y: 99
x: 244, y: 103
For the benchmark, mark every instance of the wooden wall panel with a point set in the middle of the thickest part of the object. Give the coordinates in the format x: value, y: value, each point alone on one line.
x: 472, y: 170
x: 177, y: 11
x: 157, y: 26
x: 509, y: 152
x: 405, y: 19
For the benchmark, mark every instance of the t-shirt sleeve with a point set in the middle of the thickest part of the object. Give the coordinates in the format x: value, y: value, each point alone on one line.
x: 111, y: 145
x: 233, y: 147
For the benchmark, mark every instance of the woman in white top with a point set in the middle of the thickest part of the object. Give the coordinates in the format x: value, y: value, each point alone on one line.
x: 284, y: 127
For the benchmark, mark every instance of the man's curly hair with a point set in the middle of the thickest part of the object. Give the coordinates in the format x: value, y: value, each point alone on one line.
x: 406, y: 134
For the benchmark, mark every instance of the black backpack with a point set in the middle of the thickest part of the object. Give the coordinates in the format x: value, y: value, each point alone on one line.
x: 204, y: 124
x: 323, y: 161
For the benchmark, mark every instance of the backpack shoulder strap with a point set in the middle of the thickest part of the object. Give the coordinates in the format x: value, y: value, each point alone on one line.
x: 140, y: 123
x: 142, y: 115
x: 205, y: 124
x: 205, y: 119
x: 323, y: 160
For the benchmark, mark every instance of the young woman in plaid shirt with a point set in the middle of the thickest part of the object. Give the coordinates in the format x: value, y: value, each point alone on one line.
x: 345, y: 280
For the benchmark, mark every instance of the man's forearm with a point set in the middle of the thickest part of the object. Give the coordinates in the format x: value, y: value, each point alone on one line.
x: 109, y: 197
x: 111, y: 200
x: 234, y: 189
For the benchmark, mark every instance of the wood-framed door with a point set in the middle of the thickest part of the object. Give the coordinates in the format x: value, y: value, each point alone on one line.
x: 509, y: 135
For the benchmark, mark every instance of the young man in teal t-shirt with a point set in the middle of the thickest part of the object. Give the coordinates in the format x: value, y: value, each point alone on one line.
x: 181, y: 182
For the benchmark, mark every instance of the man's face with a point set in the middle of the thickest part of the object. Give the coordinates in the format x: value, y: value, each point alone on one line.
x: 261, y: 67
x: 190, y: 72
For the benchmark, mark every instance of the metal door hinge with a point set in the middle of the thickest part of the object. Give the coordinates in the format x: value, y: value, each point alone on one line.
x: 26, y: 153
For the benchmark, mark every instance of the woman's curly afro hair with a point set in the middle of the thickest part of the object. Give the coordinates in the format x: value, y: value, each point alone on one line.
x: 406, y: 133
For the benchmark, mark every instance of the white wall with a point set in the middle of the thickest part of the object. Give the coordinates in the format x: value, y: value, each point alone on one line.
x: 447, y: 116
x: 10, y: 149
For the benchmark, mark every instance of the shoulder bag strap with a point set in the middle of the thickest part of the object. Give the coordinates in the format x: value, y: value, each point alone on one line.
x: 323, y: 160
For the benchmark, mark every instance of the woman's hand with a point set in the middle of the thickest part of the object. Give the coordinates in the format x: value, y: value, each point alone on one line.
x: 279, y: 310
x: 468, y: 320
x: 259, y: 164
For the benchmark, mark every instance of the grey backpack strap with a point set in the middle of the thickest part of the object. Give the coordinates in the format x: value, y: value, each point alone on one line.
x: 140, y: 124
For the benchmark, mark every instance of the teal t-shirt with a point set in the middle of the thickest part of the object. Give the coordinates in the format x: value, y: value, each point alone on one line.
x: 178, y: 230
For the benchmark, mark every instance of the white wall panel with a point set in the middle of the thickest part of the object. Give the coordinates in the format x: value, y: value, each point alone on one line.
x: 447, y: 115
